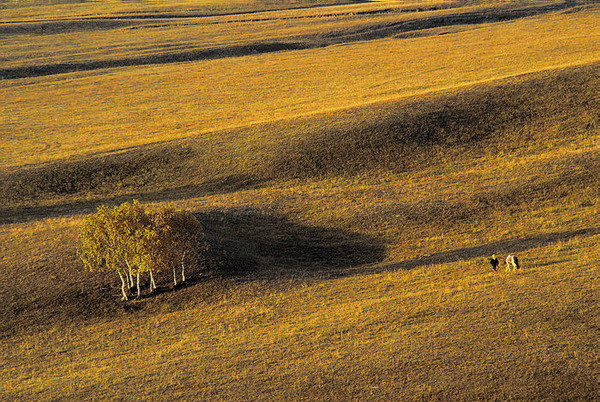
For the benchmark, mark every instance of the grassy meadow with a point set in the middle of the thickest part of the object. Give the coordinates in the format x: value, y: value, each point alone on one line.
x: 354, y: 164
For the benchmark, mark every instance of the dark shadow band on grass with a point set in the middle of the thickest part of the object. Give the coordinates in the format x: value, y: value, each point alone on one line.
x: 225, y: 185
x: 491, y: 15
x: 296, y: 43
x: 53, y: 26
x: 253, y: 246
x: 175, y: 57
x: 150, y: 20
x: 246, y: 244
x: 258, y: 244
x: 500, y: 248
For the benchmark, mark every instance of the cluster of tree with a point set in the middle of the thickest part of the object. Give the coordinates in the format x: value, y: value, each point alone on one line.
x: 131, y: 240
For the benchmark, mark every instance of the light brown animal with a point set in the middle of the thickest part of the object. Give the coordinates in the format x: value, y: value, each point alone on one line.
x: 512, y: 263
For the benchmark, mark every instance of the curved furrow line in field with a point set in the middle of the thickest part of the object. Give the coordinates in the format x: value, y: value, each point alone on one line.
x: 151, y: 20
x: 165, y: 15
x: 165, y: 58
x: 468, y: 18
x: 363, y: 33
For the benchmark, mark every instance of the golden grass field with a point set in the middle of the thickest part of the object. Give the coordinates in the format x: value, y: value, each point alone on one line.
x: 354, y: 166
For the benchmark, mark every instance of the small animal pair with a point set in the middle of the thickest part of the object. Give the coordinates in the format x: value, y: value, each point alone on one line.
x: 512, y: 263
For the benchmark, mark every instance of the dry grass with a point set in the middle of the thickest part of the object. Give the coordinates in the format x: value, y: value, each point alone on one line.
x: 35, y: 10
x: 351, y: 194
x: 102, y: 111
x: 436, y: 331
x: 395, y: 136
x: 50, y: 47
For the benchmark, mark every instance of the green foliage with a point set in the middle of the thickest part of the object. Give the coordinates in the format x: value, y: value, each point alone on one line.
x: 130, y: 240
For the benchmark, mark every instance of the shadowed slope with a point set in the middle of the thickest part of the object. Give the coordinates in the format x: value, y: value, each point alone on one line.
x: 484, y: 16
x: 117, y: 109
x: 245, y: 244
x: 52, y: 9
x: 406, y: 135
x: 396, y: 136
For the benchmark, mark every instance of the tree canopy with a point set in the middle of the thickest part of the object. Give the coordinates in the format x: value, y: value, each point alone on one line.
x: 131, y: 240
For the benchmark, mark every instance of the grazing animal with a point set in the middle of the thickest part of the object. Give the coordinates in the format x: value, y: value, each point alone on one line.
x: 512, y: 263
x: 494, y: 262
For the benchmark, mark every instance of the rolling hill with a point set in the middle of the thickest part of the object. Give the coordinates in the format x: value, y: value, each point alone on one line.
x: 354, y: 166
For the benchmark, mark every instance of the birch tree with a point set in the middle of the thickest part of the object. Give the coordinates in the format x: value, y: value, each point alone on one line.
x: 119, y: 240
x: 101, y: 248
x: 131, y: 241
x: 181, y: 241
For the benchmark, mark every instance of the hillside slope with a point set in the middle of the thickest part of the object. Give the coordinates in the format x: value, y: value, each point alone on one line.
x: 369, y: 283
x: 552, y: 107
x: 68, y: 115
x: 352, y: 195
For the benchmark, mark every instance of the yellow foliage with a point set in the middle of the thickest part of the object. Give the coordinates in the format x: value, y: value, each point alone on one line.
x: 350, y: 278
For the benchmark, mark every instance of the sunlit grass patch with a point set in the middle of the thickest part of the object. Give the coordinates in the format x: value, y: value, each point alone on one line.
x: 352, y: 196
x: 181, y: 100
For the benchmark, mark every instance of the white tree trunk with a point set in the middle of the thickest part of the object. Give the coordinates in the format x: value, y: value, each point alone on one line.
x: 183, y: 268
x: 174, y: 276
x: 139, y: 293
x: 152, y: 283
x: 129, y: 275
x: 123, y: 287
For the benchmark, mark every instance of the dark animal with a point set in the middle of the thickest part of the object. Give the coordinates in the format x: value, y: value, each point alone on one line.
x: 494, y: 262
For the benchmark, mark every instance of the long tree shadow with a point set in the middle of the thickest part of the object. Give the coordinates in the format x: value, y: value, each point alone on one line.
x: 246, y: 244
x: 261, y: 245
x: 499, y: 247
x: 257, y: 245
x: 250, y: 245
